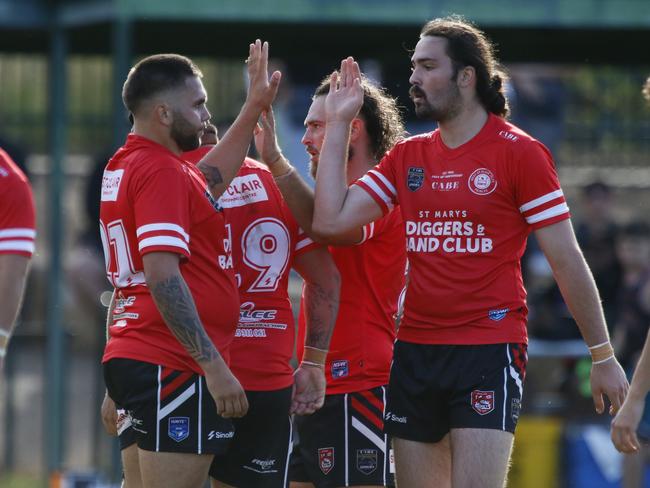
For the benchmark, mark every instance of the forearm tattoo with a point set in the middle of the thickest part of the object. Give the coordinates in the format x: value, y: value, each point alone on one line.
x: 212, y: 175
x: 175, y: 303
x: 322, y: 307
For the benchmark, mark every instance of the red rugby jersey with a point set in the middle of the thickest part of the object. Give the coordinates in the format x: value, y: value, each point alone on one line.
x: 17, y: 215
x: 372, y: 277
x: 467, y: 214
x: 265, y: 239
x: 152, y: 200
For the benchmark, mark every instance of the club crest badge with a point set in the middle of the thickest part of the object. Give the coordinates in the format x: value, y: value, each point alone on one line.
x: 482, y: 182
x: 326, y: 459
x: 483, y: 401
x: 414, y: 178
x: 178, y: 428
x: 367, y: 460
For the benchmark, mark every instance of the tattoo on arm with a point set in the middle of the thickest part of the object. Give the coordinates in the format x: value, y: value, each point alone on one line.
x: 322, y: 307
x: 212, y: 176
x: 175, y: 303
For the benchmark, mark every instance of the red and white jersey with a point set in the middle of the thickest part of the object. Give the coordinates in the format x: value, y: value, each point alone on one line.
x: 153, y: 201
x: 372, y: 277
x: 17, y: 215
x: 265, y: 239
x: 467, y: 213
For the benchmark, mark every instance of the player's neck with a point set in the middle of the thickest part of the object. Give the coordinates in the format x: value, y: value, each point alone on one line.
x: 156, y: 135
x: 464, y: 126
x: 359, y: 164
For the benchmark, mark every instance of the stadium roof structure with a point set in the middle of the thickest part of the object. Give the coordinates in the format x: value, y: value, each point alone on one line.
x: 609, y: 31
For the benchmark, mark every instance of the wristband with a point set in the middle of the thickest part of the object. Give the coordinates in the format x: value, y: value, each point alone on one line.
x: 601, y: 353
x: 314, y: 355
x: 284, y: 175
x: 311, y: 363
x: 603, y: 360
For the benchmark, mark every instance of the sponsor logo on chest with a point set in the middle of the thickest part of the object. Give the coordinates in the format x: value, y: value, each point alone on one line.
x: 482, y: 182
x: 244, y: 190
x: 111, y: 184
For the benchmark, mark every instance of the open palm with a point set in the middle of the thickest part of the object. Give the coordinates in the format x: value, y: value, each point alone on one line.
x: 345, y: 96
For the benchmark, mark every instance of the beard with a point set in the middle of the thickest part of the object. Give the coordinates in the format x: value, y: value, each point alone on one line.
x: 448, y: 107
x: 313, y: 164
x: 184, y: 134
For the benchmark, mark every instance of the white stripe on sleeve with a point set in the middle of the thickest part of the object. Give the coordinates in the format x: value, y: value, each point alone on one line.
x: 378, y: 191
x: 163, y: 226
x: 18, y: 232
x: 384, y: 180
x: 162, y: 241
x: 17, y: 245
x: 304, y: 242
x: 548, y: 213
x: 541, y: 200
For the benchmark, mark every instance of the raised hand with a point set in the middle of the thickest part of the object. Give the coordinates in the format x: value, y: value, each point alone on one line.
x: 261, y: 89
x: 308, y: 390
x: 266, y: 141
x: 345, y: 96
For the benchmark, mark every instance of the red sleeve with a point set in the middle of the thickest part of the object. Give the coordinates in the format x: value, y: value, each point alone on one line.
x: 380, y: 182
x: 161, y: 205
x: 537, y: 188
x: 385, y: 224
x: 17, y: 215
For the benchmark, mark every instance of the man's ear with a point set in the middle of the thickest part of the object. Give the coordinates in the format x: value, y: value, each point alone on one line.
x: 467, y: 76
x: 164, y: 114
x: 358, y: 126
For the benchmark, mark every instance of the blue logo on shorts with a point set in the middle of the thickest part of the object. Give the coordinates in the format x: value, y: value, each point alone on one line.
x: 178, y: 428
x: 498, y: 314
x: 340, y: 369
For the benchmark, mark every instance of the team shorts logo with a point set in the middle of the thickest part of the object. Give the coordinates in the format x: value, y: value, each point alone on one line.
x: 515, y: 408
x: 366, y: 460
x: 340, y: 368
x: 483, y: 401
x: 482, y: 182
x: 414, y: 178
x: 326, y: 459
x: 498, y: 314
x: 178, y: 428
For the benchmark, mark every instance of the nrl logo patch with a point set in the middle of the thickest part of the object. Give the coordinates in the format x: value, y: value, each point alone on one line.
x: 326, y: 459
x: 178, y: 428
x: 414, y: 178
x: 482, y: 401
x: 367, y: 460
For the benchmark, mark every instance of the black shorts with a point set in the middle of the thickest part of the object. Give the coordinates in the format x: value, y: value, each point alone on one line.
x: 259, y: 454
x: 168, y: 410
x: 343, y: 443
x: 436, y: 388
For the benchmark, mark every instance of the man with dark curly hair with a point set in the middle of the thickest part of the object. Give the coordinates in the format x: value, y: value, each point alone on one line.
x: 470, y: 193
x: 343, y: 443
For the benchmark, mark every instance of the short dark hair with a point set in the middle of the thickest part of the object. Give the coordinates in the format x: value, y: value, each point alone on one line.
x: 469, y: 46
x: 380, y: 113
x: 156, y: 74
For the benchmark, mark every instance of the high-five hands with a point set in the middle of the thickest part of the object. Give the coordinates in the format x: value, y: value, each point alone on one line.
x: 262, y: 89
x: 345, y: 97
